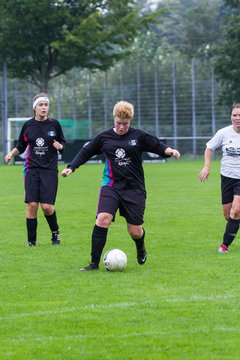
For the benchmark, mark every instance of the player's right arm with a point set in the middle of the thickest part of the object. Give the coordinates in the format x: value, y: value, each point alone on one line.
x: 86, y: 152
x: 20, y: 147
x: 11, y: 154
x: 204, y: 173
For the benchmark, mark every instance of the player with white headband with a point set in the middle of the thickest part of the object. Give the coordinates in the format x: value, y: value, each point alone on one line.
x: 41, y: 98
x: 42, y: 137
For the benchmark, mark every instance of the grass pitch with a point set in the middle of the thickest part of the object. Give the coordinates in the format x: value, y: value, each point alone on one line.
x: 182, y: 304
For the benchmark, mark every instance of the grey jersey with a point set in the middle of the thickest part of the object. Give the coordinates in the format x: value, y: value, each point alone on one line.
x: 229, y: 140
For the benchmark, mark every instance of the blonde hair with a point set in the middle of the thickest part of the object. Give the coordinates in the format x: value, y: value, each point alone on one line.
x: 43, y: 94
x: 123, y: 110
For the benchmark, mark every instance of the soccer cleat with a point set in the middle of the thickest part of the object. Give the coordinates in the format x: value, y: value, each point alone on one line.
x: 29, y: 244
x: 55, y: 238
x: 141, y: 255
x: 223, y: 249
x: 90, y: 267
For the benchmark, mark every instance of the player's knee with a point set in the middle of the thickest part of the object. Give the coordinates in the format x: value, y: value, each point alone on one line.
x: 136, y: 232
x: 47, y: 209
x: 104, y: 220
x: 32, y: 209
x: 226, y: 215
x: 32, y: 206
x: 235, y: 213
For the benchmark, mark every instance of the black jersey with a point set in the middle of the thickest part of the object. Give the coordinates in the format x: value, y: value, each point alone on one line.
x: 37, y: 137
x: 123, y: 167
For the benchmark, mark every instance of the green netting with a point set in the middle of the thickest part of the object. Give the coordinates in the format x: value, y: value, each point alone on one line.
x: 72, y: 129
x: 75, y: 129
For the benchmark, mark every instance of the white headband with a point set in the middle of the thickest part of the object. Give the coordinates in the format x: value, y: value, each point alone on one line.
x: 42, y: 98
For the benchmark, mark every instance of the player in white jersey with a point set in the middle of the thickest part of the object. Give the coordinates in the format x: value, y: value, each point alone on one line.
x: 229, y: 139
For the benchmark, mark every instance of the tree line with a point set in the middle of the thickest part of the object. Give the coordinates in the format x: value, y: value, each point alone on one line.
x: 40, y: 43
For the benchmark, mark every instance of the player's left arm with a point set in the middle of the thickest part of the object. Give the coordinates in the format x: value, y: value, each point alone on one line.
x: 60, y: 142
x: 172, y: 152
x: 57, y: 145
x: 152, y: 144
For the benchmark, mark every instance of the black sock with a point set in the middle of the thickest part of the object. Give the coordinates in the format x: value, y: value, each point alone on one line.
x: 231, y: 231
x: 99, y: 238
x: 52, y: 221
x: 32, y: 230
x: 140, y: 242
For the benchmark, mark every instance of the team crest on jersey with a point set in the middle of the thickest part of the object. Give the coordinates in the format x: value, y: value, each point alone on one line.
x: 40, y: 142
x: 51, y: 133
x: 133, y: 142
x: 120, y: 153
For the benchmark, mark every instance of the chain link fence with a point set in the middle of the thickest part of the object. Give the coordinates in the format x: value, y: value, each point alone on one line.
x: 177, y: 102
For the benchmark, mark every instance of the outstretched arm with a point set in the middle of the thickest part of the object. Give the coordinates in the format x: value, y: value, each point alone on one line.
x: 172, y: 152
x: 204, y: 173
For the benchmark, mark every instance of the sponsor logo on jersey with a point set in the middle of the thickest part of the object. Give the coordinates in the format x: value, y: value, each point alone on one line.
x: 120, y: 153
x: 40, y: 149
x: 51, y: 133
x: 133, y: 142
x: 233, y: 152
x: 120, y: 158
x: 40, y: 142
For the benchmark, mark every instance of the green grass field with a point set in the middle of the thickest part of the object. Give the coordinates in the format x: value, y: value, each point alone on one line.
x: 182, y: 304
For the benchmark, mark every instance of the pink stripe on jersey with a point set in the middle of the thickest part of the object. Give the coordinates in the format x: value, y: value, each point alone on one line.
x: 26, y: 164
x: 111, y: 181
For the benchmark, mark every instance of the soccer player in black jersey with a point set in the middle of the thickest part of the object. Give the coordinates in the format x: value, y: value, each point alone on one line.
x: 123, y: 184
x: 42, y: 137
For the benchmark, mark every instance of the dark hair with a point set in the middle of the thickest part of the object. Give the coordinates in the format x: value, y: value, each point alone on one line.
x: 234, y: 106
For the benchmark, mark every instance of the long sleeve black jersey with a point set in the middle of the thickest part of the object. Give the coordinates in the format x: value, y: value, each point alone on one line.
x: 38, y: 137
x: 123, y: 167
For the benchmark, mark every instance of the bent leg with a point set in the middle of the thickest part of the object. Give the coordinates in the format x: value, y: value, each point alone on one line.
x: 99, y: 236
x: 235, y: 209
x: 137, y: 233
x: 232, y: 226
x: 108, y: 204
x: 104, y: 220
x: 226, y: 210
x: 51, y: 217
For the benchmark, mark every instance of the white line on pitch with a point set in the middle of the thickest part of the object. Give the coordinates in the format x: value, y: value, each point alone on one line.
x: 194, y: 298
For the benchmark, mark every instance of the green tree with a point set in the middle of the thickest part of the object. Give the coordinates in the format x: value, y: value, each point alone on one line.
x: 41, y: 41
x: 227, y: 64
x: 202, y: 29
x: 191, y: 27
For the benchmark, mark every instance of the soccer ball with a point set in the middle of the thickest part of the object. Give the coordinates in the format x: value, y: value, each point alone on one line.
x: 115, y: 260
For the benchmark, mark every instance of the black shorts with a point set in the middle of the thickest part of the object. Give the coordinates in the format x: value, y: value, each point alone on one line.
x: 130, y: 202
x: 229, y: 187
x: 41, y: 186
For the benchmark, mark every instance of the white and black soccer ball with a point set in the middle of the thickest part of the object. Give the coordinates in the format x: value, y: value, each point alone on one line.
x: 115, y: 260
